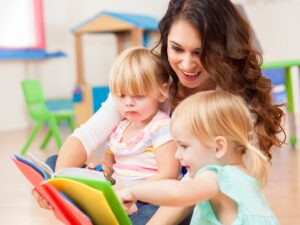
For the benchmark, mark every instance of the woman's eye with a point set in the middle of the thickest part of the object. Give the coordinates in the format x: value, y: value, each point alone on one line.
x: 177, y: 49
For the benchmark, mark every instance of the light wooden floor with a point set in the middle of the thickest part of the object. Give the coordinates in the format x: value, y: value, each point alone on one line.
x: 18, y: 207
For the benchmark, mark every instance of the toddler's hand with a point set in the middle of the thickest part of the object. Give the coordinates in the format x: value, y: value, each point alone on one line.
x: 126, y: 199
x: 107, y: 168
x: 133, y: 209
x: 92, y: 166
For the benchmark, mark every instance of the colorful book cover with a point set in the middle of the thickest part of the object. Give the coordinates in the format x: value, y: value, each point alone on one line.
x: 77, y: 197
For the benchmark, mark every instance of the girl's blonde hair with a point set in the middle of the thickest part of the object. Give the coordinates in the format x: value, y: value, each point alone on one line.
x: 218, y: 113
x: 137, y: 71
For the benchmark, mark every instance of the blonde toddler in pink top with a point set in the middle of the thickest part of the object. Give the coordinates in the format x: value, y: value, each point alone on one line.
x: 140, y: 148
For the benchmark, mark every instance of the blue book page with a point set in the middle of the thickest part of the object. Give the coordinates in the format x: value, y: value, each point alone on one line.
x: 32, y: 165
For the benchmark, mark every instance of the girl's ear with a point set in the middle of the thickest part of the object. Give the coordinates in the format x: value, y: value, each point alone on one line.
x: 221, y: 146
x: 164, y: 93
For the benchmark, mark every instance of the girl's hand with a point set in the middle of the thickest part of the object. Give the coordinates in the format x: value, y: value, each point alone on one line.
x: 107, y: 168
x: 107, y: 171
x: 126, y: 199
x: 43, y: 203
x: 92, y: 166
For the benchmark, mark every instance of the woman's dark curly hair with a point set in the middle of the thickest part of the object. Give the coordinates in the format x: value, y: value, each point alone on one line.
x: 230, y: 59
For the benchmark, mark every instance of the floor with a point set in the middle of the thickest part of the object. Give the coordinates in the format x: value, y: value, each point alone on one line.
x: 18, y: 207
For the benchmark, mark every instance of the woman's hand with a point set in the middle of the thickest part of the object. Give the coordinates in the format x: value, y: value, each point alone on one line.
x: 43, y: 203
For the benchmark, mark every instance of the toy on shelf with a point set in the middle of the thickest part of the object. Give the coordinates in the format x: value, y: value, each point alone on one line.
x: 139, y: 29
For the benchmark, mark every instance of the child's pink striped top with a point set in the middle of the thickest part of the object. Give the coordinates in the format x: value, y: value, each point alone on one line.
x: 135, y: 159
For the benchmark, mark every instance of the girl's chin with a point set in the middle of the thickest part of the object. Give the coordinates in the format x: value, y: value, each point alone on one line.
x: 191, y: 174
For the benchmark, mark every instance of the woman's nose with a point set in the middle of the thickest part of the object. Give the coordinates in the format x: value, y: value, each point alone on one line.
x: 188, y: 62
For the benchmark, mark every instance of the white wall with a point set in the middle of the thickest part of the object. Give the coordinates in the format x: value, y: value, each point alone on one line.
x: 58, y: 75
x: 274, y: 21
x: 276, y: 24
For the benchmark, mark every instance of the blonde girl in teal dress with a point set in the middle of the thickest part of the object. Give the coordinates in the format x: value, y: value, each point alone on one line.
x: 213, y: 131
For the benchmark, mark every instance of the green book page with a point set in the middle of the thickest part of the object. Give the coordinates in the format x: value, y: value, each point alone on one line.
x: 88, y: 199
x: 111, y: 198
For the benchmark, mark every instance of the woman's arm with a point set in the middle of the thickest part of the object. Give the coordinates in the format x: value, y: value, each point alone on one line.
x: 94, y: 132
x: 71, y: 154
x: 168, y: 166
x: 89, y: 136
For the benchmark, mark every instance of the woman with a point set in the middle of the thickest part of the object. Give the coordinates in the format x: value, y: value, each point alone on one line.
x: 205, y: 45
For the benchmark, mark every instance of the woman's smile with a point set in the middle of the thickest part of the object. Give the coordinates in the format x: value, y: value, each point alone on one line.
x: 191, y: 76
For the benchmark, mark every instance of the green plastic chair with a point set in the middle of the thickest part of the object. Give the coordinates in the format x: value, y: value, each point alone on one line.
x: 38, y: 111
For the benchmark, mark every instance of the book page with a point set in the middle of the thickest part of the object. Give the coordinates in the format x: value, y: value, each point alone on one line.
x: 90, y: 200
x: 41, y: 164
x: 81, y: 173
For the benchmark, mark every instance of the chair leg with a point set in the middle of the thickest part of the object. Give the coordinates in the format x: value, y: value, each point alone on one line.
x: 46, y: 140
x: 55, y: 131
x: 290, y: 107
x: 71, y: 124
x: 34, y: 132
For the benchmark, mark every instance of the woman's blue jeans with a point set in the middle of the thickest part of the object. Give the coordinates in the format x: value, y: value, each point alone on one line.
x: 51, y: 161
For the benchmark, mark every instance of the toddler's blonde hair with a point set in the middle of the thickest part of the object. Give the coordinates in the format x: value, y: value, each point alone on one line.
x: 210, y: 114
x: 137, y: 71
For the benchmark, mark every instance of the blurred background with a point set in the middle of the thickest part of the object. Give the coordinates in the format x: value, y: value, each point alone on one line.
x: 54, y: 43
x: 275, y: 23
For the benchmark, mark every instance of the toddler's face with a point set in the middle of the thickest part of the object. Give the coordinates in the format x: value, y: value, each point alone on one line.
x: 190, y: 151
x: 137, y: 108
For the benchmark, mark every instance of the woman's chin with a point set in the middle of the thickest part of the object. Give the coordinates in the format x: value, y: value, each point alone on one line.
x: 188, y: 84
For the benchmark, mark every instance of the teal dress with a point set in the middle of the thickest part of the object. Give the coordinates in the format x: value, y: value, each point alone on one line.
x: 245, y: 190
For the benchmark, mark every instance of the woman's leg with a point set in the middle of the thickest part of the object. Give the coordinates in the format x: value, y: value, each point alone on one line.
x: 187, y: 220
x: 143, y: 215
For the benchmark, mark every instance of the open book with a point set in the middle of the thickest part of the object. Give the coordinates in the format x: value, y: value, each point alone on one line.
x: 78, y: 196
x: 67, y: 172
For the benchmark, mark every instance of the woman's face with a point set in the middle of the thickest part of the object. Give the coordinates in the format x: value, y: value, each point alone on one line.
x: 184, y: 44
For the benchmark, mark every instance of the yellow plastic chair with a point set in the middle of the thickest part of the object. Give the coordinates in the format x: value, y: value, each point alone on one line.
x: 38, y: 111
